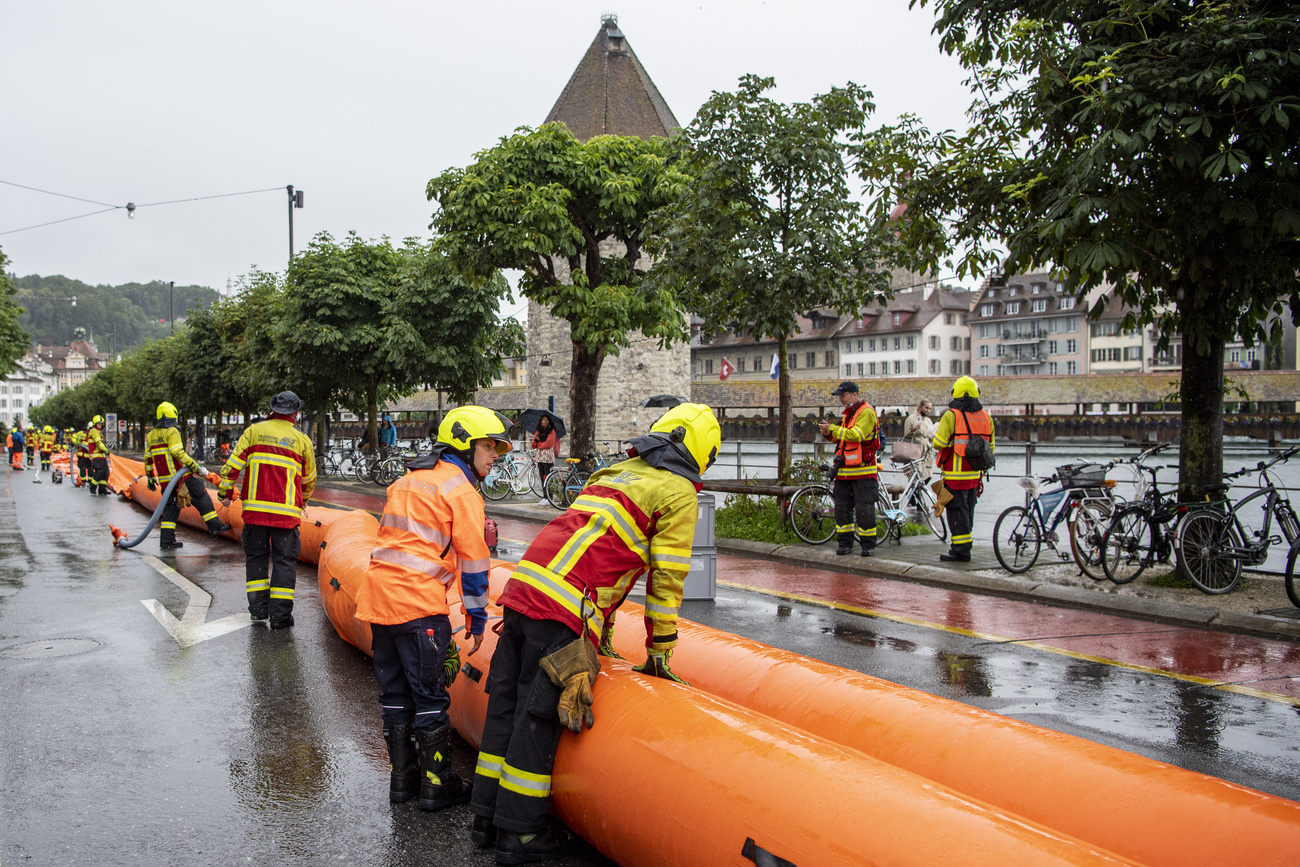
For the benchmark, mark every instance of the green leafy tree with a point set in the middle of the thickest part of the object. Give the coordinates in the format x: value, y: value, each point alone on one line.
x: 770, y: 229
x: 570, y: 217
x: 1151, y: 144
x: 14, y: 341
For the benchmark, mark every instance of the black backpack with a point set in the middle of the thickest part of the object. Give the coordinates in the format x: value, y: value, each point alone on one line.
x: 979, y: 454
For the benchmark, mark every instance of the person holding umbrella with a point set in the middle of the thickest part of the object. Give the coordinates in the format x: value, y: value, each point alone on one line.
x: 546, y: 441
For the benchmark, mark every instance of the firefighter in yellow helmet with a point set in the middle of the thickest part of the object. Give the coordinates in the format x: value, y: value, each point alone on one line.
x: 164, y: 457
x: 965, y: 419
x: 96, y: 451
x: 636, y: 518
x: 430, y: 542
x: 47, y: 446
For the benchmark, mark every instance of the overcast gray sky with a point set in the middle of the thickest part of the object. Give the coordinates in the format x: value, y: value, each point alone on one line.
x: 358, y: 104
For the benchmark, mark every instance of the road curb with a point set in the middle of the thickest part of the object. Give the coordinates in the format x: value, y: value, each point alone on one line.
x: 1025, y: 589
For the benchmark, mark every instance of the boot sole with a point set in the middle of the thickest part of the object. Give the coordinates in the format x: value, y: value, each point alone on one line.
x: 434, y: 806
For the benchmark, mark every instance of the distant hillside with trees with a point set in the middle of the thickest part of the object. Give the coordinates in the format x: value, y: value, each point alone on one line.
x: 118, y: 318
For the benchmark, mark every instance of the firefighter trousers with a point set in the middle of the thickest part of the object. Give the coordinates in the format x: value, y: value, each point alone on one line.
x: 855, y: 499
x: 202, y: 501
x: 512, y: 780
x: 409, y: 668
x: 276, y: 548
x: 99, y: 476
x: 961, y: 520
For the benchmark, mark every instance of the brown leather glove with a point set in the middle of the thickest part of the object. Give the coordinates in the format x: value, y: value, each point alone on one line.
x: 942, y: 496
x: 573, y: 667
x: 183, y: 498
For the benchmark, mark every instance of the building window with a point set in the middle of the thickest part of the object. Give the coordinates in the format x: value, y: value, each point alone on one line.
x: 859, y: 346
x: 708, y: 365
x: 966, y: 344
x: 934, y: 341
x: 898, y: 367
x: 1071, y: 368
x: 1051, y: 347
x: 848, y: 369
x: 1132, y: 353
x: 4, y: 389
x: 848, y: 346
x: 986, y: 331
x: 4, y: 402
x: 1071, y: 347
x: 1234, y: 355
x: 898, y: 318
x: 1040, y: 305
x: 935, y: 366
x: 830, y: 358
x: 1072, y: 324
x: 1105, y: 329
x: 758, y: 363
x: 741, y: 364
x: 18, y: 404
x: 987, y: 309
x: 1066, y: 302
x: 794, y: 361
x: 984, y: 350
x: 1036, y: 288
x: 911, y: 341
x: 950, y: 319
x: 810, y: 359
x: 955, y: 367
x: 1012, y: 290
x: 898, y: 344
x: 871, y: 345
x: 859, y: 368
x: 984, y: 370
x: 966, y: 365
x: 871, y: 368
x: 911, y: 365
x: 956, y: 344
x: 1051, y: 368
x: 1013, y: 307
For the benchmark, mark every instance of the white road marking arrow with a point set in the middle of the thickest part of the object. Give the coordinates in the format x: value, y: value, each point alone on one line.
x: 193, y: 626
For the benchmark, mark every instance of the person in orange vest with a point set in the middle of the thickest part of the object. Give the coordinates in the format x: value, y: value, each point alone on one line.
x: 857, y: 439
x: 965, y: 418
x: 636, y: 518
x: 279, y: 469
x: 15, y: 443
x: 431, y: 538
x: 97, y: 455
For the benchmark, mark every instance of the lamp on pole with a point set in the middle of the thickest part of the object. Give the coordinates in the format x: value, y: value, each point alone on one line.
x: 295, y: 201
x: 172, y: 299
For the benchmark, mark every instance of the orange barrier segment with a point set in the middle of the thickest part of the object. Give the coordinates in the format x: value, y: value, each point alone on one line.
x: 708, y: 774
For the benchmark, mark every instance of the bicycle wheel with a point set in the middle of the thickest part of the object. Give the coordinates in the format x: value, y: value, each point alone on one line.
x: 497, y: 483
x: 391, y: 470
x: 1017, y: 539
x: 812, y: 514
x: 1126, y: 545
x: 1086, y: 530
x: 1205, y: 556
x: 534, y: 479
x: 553, y: 488
x: 327, y: 467
x: 573, y: 486
x: 1291, y: 556
x: 924, y: 502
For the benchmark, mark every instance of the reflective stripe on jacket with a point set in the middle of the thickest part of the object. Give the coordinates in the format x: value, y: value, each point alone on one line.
x: 279, y: 470
x: 430, y: 538
x: 951, y: 439
x: 164, y: 454
x: 47, y: 442
x: 631, y: 520
x: 854, y: 439
x: 93, y: 445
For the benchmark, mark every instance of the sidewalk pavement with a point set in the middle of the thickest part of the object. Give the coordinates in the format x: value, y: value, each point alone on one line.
x: 1259, y: 607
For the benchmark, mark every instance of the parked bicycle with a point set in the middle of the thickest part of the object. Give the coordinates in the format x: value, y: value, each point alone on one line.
x: 563, y: 484
x: 1084, y: 501
x: 811, y: 511
x: 1214, y: 543
x: 1142, y: 532
x: 515, y: 473
x: 894, y: 501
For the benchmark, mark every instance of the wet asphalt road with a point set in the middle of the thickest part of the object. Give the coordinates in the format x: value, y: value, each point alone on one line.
x: 121, y: 747
x: 253, y: 747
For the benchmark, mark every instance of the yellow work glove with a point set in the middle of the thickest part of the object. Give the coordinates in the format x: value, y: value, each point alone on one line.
x: 656, y: 665
x: 607, y: 640
x: 451, y: 661
x: 573, y: 667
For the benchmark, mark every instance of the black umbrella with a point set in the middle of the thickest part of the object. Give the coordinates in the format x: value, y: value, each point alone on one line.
x: 530, y: 417
x: 665, y: 400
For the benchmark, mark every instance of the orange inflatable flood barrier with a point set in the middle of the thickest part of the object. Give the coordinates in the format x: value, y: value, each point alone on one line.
x: 711, y: 780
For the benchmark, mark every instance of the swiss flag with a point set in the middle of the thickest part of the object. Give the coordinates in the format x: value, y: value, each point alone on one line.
x: 726, y: 369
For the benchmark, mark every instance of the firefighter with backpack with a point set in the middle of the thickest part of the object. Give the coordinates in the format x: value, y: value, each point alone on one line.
x: 964, y: 462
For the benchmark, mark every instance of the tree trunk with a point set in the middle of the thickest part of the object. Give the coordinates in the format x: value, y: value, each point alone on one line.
x: 1200, y: 451
x: 372, y: 410
x: 584, y: 374
x: 785, y: 412
x: 322, y: 445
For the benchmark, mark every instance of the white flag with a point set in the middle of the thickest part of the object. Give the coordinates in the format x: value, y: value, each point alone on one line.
x: 776, y: 365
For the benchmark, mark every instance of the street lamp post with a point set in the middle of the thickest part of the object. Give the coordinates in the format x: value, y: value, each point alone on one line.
x: 295, y: 201
x: 172, y: 298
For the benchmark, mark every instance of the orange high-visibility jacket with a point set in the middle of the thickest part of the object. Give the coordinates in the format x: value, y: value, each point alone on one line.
x: 630, y: 520
x: 856, y: 440
x: 430, y: 539
x: 279, y: 468
x: 954, y: 432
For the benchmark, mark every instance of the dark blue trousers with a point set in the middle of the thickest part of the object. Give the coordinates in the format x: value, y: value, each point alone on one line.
x: 409, y: 668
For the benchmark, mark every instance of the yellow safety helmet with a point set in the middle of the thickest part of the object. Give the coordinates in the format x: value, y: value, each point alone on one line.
x: 965, y: 387
x: 49, y: 429
x: 165, y: 410
x: 695, y: 426
x: 464, y: 424
x: 97, y: 420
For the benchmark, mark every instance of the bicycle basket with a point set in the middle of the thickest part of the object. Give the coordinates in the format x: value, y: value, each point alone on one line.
x: 1081, y: 475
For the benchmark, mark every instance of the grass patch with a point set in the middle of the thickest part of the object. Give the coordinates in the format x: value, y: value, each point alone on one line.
x: 755, y: 518
x: 1172, y: 579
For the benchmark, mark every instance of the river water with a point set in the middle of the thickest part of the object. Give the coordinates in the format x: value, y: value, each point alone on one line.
x: 756, y: 459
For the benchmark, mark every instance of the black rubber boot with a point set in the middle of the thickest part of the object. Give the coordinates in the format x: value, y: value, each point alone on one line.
x: 217, y: 526
x: 404, y: 779
x: 515, y: 848
x: 439, y: 787
x: 483, y: 833
x: 167, y: 540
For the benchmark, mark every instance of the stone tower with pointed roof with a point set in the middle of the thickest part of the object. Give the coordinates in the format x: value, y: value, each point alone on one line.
x: 609, y: 93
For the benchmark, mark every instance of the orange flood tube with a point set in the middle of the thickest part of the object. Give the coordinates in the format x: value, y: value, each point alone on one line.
x: 670, y: 775
x: 1142, y: 809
